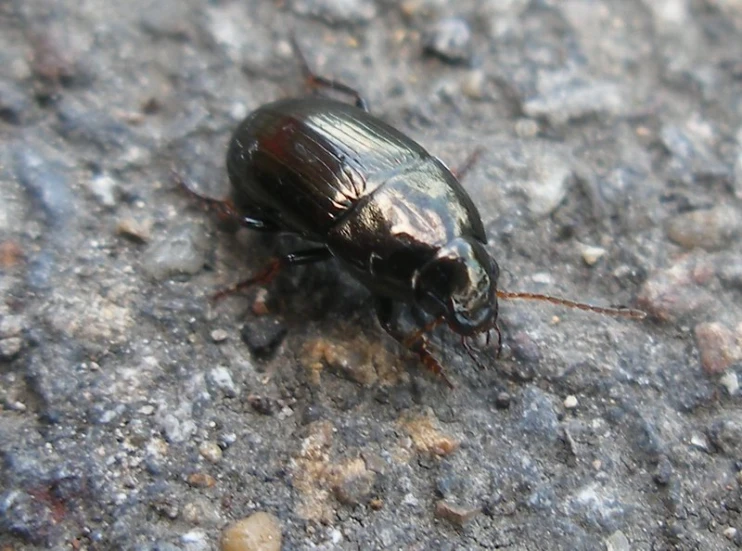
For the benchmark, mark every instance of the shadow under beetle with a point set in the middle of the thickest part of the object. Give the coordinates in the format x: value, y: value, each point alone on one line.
x: 394, y: 216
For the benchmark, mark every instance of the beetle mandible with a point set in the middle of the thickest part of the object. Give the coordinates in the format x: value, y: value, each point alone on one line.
x: 393, y: 214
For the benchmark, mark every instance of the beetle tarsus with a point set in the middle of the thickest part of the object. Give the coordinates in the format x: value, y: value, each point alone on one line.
x: 315, y: 82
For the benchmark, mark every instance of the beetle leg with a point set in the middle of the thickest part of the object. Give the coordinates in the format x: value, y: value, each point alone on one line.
x: 417, y: 343
x: 315, y: 81
x: 267, y: 274
x: 225, y: 209
x: 468, y: 163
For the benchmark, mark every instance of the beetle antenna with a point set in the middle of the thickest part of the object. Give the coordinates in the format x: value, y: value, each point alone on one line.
x: 617, y: 312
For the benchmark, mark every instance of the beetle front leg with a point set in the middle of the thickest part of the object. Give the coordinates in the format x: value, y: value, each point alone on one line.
x: 267, y: 274
x: 386, y: 314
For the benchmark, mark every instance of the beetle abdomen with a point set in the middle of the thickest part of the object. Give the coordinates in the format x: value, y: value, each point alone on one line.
x: 305, y: 163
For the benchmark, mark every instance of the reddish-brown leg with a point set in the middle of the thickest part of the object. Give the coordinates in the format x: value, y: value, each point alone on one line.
x: 275, y: 265
x: 315, y: 81
x: 224, y: 208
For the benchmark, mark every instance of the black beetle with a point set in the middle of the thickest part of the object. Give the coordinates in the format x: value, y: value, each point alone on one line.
x: 395, y: 216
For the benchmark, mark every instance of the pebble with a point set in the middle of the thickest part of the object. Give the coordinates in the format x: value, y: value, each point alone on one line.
x: 692, y: 157
x: 730, y: 532
x: 165, y: 19
x: 210, y: 451
x: 201, y: 480
x: 617, y: 541
x: 726, y: 434
x: 46, y: 182
x: 219, y: 335
x: 263, y: 335
x: 336, y: 12
x: 259, y: 532
x: 718, y: 347
x: 195, y: 540
x: 352, y: 482
x: 709, y: 229
x: 450, y: 39
x: 677, y: 292
x: 591, y: 254
x: 455, y: 514
x: 547, y: 186
x: 180, y: 251
x: 563, y: 97
x: 570, y: 402
x: 104, y: 187
x: 526, y: 128
x: 221, y: 378
x: 730, y: 381
x: 503, y: 399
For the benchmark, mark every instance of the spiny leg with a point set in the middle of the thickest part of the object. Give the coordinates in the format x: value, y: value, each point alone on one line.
x: 315, y: 81
x: 275, y: 265
x: 225, y: 209
x: 385, y: 312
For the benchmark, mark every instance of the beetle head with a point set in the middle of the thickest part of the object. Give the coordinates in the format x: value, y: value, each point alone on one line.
x: 460, y: 284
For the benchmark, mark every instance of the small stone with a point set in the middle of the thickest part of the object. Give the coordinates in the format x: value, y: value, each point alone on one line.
x: 201, y: 480
x: 547, y: 187
x: 563, y: 97
x: 730, y: 532
x: 591, y: 254
x: 570, y: 402
x: 664, y: 471
x: 502, y: 401
x: 137, y: 229
x: 352, y: 482
x: 700, y: 442
x: 221, y: 378
x: 258, y: 532
x: 450, y: 40
x: 336, y: 12
x: 526, y: 128
x: 426, y: 434
x: 455, y: 514
x: 677, y: 292
x: 726, y: 434
x: 219, y: 335
x: 10, y: 347
x: 11, y: 254
x: 263, y: 335
x: 730, y: 381
x: 709, y: 229
x: 195, y: 540
x: 181, y: 251
x: 617, y: 541
x: 474, y: 84
x: 103, y: 187
x: 717, y: 346
x: 210, y: 451
x: 262, y: 404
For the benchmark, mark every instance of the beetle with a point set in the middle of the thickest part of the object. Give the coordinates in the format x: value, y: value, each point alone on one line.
x: 393, y: 214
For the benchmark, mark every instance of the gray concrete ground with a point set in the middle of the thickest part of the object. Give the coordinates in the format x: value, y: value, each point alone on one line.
x: 136, y: 415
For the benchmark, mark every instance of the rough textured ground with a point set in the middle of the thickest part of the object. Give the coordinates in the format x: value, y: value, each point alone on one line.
x: 135, y: 415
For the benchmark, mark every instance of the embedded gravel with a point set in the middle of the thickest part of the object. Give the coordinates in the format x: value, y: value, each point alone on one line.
x: 135, y: 414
